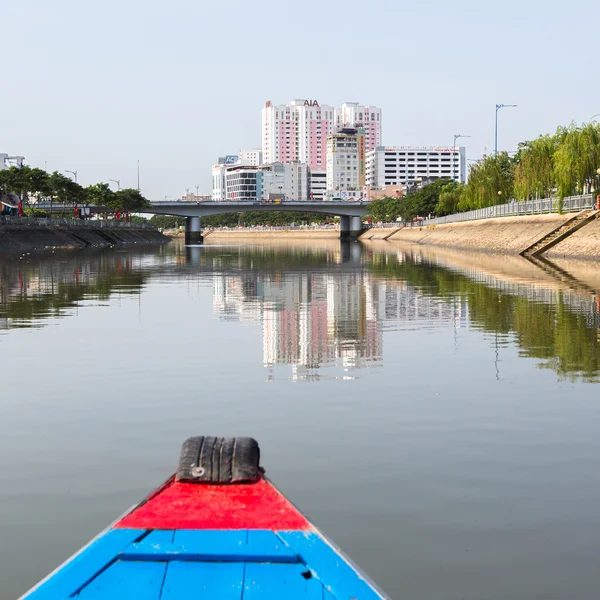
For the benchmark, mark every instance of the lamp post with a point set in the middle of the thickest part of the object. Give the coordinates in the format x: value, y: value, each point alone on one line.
x: 197, y: 192
x: 498, y: 107
x: 456, y: 137
x: 118, y: 182
x: 74, y: 173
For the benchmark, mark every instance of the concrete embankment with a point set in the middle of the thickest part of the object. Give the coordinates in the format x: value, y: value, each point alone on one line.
x: 252, y: 236
x: 584, y: 243
x: 17, y: 238
x: 506, y: 235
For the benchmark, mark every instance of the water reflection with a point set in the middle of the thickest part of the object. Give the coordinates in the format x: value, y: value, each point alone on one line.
x: 323, y: 309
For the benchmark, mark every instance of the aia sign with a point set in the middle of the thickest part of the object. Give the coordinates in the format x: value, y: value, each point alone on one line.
x: 311, y: 103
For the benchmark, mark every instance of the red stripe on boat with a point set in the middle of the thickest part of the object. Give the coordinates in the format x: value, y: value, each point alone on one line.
x: 197, y: 506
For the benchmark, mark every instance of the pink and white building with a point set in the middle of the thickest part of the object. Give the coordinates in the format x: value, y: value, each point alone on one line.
x: 360, y: 116
x: 297, y: 132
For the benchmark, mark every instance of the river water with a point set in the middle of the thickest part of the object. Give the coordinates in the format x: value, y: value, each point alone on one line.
x: 436, y: 414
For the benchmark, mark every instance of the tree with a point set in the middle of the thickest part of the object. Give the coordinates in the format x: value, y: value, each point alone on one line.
x: 449, y: 200
x: 128, y: 200
x: 534, y: 170
x: 100, y: 194
x: 491, y: 181
x: 576, y: 159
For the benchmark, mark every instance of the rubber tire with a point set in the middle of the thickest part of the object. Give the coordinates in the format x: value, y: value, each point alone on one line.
x: 218, y: 460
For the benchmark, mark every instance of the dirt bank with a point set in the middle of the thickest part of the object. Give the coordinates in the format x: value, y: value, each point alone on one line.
x: 17, y: 238
x: 507, y: 235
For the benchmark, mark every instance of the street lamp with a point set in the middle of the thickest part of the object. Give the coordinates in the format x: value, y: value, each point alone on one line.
x: 456, y: 137
x: 74, y: 173
x: 498, y: 107
x: 118, y: 182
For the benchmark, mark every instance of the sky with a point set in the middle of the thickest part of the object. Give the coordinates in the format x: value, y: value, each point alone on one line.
x: 94, y: 87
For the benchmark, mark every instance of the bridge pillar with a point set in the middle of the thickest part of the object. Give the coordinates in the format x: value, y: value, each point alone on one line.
x: 192, y: 230
x: 350, y: 227
x: 344, y: 227
x: 355, y: 226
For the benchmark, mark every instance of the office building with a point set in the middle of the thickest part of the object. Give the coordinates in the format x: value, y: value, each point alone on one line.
x: 246, y: 183
x: 402, y: 165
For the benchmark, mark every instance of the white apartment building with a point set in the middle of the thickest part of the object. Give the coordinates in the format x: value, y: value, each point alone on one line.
x: 345, y: 161
x: 251, y: 157
x: 401, y: 165
x: 367, y: 118
x: 297, y: 132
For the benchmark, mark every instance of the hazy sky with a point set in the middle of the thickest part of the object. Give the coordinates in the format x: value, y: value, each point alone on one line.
x: 94, y: 86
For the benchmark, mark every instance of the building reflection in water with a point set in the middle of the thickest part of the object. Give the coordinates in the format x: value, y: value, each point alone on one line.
x: 316, y: 320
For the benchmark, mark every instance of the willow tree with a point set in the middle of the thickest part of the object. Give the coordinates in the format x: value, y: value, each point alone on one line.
x: 491, y: 181
x: 576, y: 159
x: 450, y: 199
x: 534, y: 172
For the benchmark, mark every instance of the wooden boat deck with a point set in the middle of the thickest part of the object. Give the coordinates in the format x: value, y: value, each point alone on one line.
x: 209, y: 541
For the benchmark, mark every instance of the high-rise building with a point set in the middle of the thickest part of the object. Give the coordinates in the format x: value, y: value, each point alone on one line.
x: 367, y: 118
x: 346, y: 160
x: 401, y: 165
x: 297, y: 132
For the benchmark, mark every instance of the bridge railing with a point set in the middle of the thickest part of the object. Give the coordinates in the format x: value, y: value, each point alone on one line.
x: 515, y: 208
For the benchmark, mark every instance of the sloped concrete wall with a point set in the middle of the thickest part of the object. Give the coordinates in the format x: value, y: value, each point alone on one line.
x: 507, y: 235
x: 24, y: 238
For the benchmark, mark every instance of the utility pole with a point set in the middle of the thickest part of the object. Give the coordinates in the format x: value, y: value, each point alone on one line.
x: 74, y: 173
x: 498, y: 107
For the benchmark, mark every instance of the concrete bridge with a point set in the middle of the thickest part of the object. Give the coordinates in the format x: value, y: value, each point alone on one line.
x: 350, y: 213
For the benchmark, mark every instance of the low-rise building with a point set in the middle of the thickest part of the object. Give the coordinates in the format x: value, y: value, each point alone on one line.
x: 402, y: 165
x: 246, y: 183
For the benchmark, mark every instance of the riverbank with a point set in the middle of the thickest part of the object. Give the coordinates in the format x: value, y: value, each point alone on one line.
x: 504, y: 235
x: 249, y: 236
x: 15, y: 237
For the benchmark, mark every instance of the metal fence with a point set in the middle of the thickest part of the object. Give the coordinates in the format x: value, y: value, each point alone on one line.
x: 89, y: 224
x: 514, y: 209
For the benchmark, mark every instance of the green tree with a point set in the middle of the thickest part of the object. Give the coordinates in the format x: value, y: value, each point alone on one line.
x: 450, y: 198
x: 576, y: 159
x: 534, y: 169
x: 128, y: 200
x: 100, y: 194
x: 491, y: 182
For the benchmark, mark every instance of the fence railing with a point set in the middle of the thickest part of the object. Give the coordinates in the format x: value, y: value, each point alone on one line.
x: 86, y: 223
x: 514, y: 209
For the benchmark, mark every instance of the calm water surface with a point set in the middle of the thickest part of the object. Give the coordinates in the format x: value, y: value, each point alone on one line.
x: 437, y: 415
